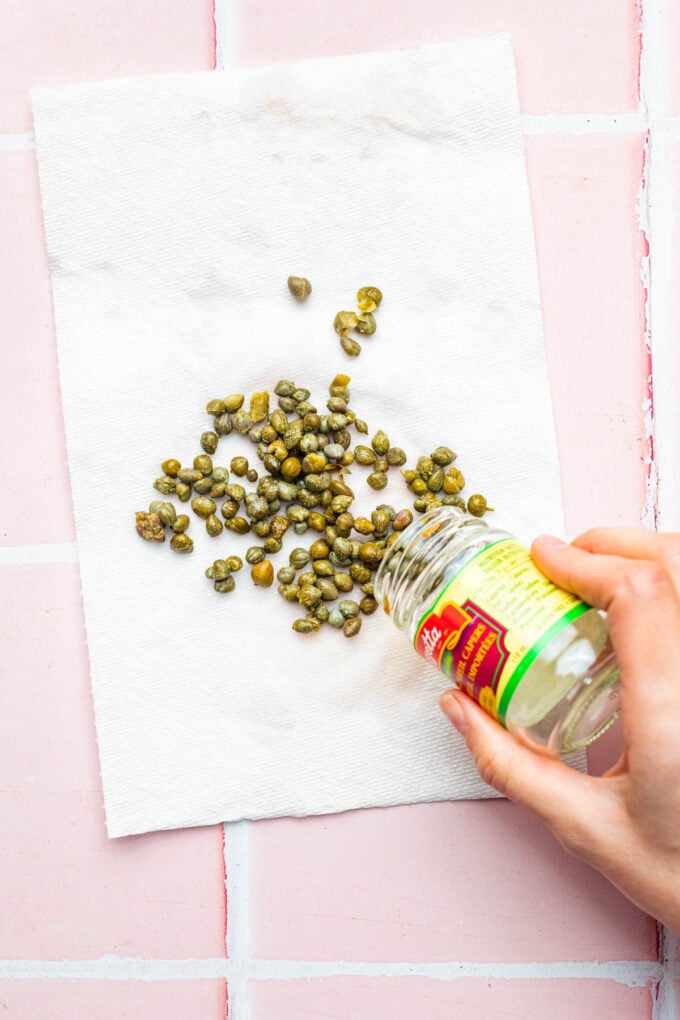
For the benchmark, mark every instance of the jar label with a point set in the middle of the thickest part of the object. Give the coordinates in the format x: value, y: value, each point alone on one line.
x: 491, y: 621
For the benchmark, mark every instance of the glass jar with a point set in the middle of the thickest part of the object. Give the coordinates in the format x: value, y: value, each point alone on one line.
x: 474, y: 604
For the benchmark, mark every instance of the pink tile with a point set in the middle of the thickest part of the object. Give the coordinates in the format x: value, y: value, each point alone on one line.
x: 433, y: 882
x: 355, y: 998
x: 32, y: 444
x: 572, y: 55
x: 59, y: 41
x: 66, y: 890
x: 583, y: 192
x: 56, y: 999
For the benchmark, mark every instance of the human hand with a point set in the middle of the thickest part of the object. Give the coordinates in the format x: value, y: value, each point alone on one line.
x: 627, y: 822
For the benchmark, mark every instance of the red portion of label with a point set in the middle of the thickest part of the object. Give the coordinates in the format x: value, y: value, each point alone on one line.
x: 468, y: 645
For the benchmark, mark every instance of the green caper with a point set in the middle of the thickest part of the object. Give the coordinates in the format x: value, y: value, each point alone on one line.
x: 449, y: 499
x: 425, y: 467
x: 453, y: 482
x: 299, y: 287
x: 366, y: 324
x: 272, y: 545
x: 254, y: 554
x: 181, y: 543
x: 395, y: 456
x: 364, y: 455
x: 344, y: 321
x: 278, y: 421
x: 299, y: 557
x: 344, y: 524
x: 380, y: 443
x: 309, y: 596
x: 182, y: 491
x: 263, y: 574
x: 203, y: 506
x: 359, y: 573
x: 402, y: 520
x: 284, y: 388
x: 342, y: 581
x: 350, y: 346
x: 316, y: 521
x: 213, y: 525
x: 305, y: 578
x: 336, y: 619
x: 418, y: 486
x: 287, y: 404
x: 321, y: 612
x: 209, y: 441
x: 171, y: 467
x: 408, y: 474
x: 239, y: 525
x: 361, y: 426
x: 289, y: 592
x: 329, y: 591
x: 377, y: 480
x: 323, y: 568
x: 349, y: 608
x: 225, y: 585
x: 291, y: 468
x: 285, y: 575
x: 443, y: 456
x: 215, y: 407
x: 368, y: 588
x: 381, y: 521
x: 239, y: 466
x: 306, y: 625
x: 476, y: 505
x: 165, y: 484
x: 223, y: 424
x: 319, y: 550
x: 220, y: 474
x: 436, y: 480
x: 155, y: 505
x: 369, y: 298
x: 351, y: 627
x: 318, y: 482
x: 371, y: 553
x: 259, y: 406
x: 368, y: 605
x: 299, y: 393
x: 235, y: 491
x: 234, y: 402
x: 204, y: 486
x: 251, y: 474
x: 300, y: 528
x: 181, y: 523
x: 166, y: 514
x: 229, y: 508
x: 218, y: 571
x: 242, y: 422
x: 381, y: 465
x: 234, y: 563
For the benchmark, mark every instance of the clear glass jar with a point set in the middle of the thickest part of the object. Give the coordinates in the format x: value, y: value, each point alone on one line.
x: 473, y: 603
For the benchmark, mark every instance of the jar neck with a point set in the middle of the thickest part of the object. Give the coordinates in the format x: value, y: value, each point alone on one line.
x: 425, y: 556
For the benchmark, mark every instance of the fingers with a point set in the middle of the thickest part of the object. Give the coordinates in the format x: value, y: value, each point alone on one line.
x: 643, y: 614
x: 574, y: 806
x: 634, y: 543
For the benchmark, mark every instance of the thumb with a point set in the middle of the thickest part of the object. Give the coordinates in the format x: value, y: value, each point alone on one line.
x: 571, y: 804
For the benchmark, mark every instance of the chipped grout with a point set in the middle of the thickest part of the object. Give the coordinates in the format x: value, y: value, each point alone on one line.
x: 632, y: 973
x: 226, y: 34
x: 237, y: 867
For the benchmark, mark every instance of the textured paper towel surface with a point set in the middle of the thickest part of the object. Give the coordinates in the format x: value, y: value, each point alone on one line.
x: 175, y: 208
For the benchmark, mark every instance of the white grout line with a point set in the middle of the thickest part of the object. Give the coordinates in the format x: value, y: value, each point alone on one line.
x: 14, y: 142
x: 236, y: 850
x: 47, y: 552
x: 632, y: 973
x: 226, y: 34
x: 665, y: 1002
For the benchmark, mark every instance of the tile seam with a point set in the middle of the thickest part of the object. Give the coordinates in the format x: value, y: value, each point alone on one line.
x: 226, y: 33
x: 632, y: 973
x: 237, y: 866
x: 43, y: 553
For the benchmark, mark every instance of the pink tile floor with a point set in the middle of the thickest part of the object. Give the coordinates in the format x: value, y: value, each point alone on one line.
x: 466, y: 910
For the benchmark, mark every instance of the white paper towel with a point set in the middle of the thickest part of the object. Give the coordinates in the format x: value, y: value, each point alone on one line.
x: 175, y: 209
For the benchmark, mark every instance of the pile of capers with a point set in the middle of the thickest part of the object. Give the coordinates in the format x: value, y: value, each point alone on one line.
x: 362, y: 321
x: 301, y: 485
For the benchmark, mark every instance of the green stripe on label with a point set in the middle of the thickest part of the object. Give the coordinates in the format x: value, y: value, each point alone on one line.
x: 533, y: 653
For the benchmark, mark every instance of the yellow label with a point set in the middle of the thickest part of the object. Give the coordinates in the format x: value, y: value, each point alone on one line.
x: 491, y: 621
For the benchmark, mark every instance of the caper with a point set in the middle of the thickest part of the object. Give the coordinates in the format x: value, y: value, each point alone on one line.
x: 287, y: 404
x: 155, y: 505
x: 381, y: 465
x: 366, y: 324
x: 234, y: 402
x: 289, y: 592
x: 259, y: 406
x: 321, y: 612
x: 239, y: 466
x: 203, y: 507
x: 296, y: 513
x: 209, y: 441
x: 329, y: 591
x: 242, y: 422
x: 224, y: 586
x: 223, y: 424
x: 257, y: 507
x: 368, y: 298
x: 149, y: 527
x: 350, y: 346
x: 337, y: 421
x: 171, y: 467
x: 272, y: 545
x: 255, y: 436
x: 299, y: 393
x: 349, y: 608
x: 182, y: 491
x: 215, y: 407
x: 363, y: 525
x: 381, y: 521
x: 213, y: 525
x: 409, y: 475
x: 263, y: 574
x: 343, y: 322
x: 351, y: 627
x: 368, y: 588
x: 307, y: 577
x: 308, y: 499
x: 359, y: 573
x: 333, y: 451
x: 251, y: 474
x: 291, y: 468
x: 402, y: 520
x: 234, y: 562
x: 165, y: 484
x: 299, y: 558
x: 220, y: 474
x: 477, y: 505
x: 254, y: 554
x: 318, y: 482
x: 420, y: 504
x: 443, y: 456
x: 299, y: 287
x: 395, y: 456
x: 380, y: 443
x: 181, y: 543
x: 316, y: 521
x: 368, y: 605
x: 261, y: 528
x: 229, y: 508
x: 181, y: 523
x: 452, y: 482
x: 425, y: 467
x: 436, y: 480
x: 309, y: 596
x: 218, y: 571
x: 204, y: 486
x: 377, y: 480
x: 361, y: 426
x: 306, y: 625
x: 166, y: 514
x: 364, y: 455
x: 304, y: 408
x: 284, y: 388
x: 418, y: 486
x: 239, y: 525
x: 285, y: 490
x: 339, y: 487
x: 371, y: 553
x: 323, y: 568
x: 342, y: 581
x: 285, y: 575
x: 235, y: 491
x: 319, y: 550
x: 344, y: 524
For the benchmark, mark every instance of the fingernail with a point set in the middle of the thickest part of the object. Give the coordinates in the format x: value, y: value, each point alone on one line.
x: 550, y: 540
x: 451, y: 706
